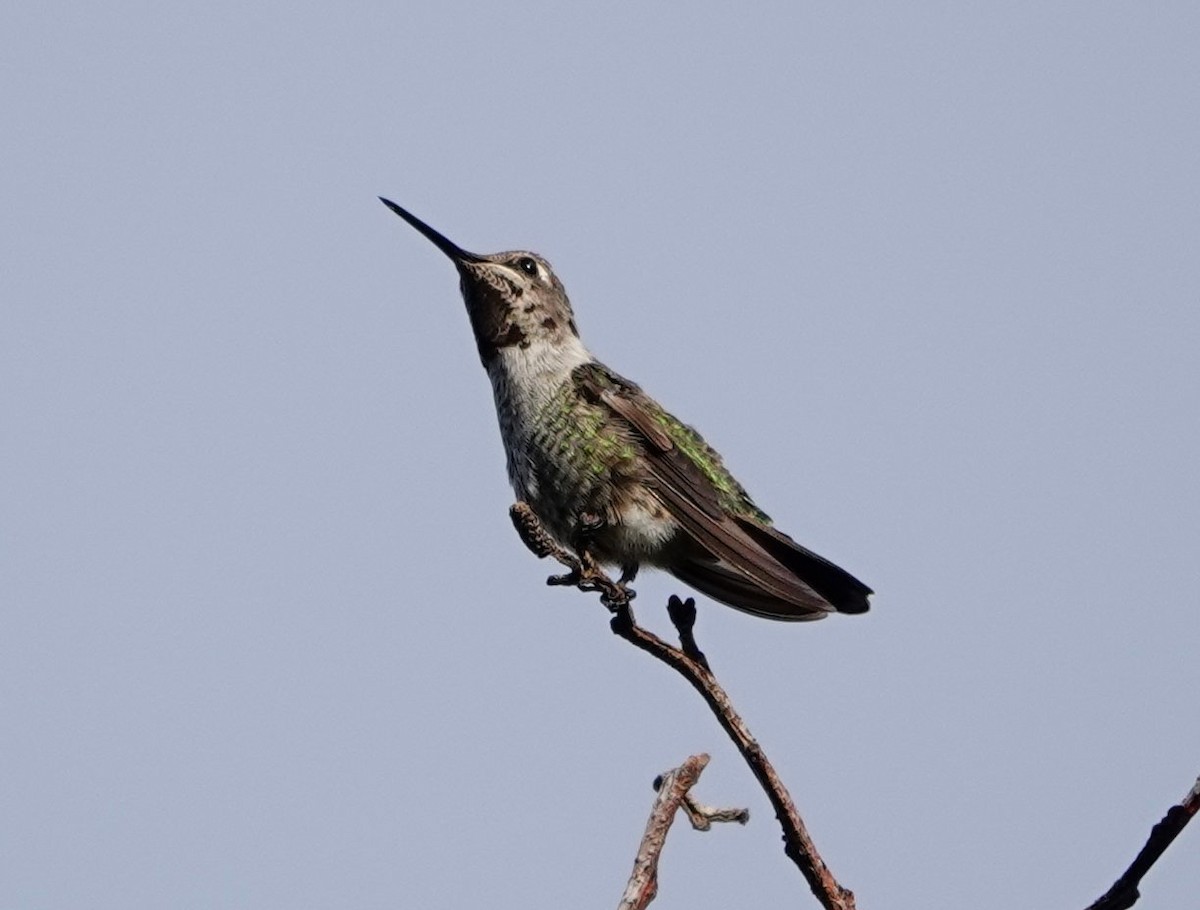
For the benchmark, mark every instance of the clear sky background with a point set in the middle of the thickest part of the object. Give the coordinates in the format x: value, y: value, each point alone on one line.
x: 926, y: 274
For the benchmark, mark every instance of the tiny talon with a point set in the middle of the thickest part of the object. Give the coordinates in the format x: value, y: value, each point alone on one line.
x: 616, y: 595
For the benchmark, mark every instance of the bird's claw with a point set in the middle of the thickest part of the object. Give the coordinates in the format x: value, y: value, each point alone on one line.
x: 617, y: 596
x: 571, y: 579
x: 613, y: 595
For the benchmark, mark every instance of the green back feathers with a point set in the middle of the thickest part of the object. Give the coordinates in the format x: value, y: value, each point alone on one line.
x: 733, y: 495
x: 591, y: 377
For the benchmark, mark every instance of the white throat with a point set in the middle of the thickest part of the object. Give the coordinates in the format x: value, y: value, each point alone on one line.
x: 524, y: 380
x: 530, y: 375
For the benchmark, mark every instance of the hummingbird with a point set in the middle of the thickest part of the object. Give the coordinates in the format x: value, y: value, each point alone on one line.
x: 608, y: 472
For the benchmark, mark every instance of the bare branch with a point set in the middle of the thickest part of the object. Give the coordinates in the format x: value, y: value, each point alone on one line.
x: 798, y: 845
x: 693, y: 666
x: 689, y: 661
x: 1124, y: 892
x: 672, y: 787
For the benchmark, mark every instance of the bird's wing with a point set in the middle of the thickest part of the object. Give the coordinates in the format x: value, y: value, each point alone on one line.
x: 740, y: 571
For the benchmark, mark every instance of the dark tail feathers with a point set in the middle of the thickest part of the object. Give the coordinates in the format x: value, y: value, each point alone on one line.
x: 845, y: 593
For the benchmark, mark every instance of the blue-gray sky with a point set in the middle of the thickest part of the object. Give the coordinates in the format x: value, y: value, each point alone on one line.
x: 926, y: 273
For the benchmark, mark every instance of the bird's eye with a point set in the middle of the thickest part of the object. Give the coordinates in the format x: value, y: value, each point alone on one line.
x: 527, y: 265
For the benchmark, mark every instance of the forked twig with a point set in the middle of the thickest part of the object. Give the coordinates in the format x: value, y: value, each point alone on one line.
x: 797, y: 844
x: 673, y: 793
x: 692, y: 665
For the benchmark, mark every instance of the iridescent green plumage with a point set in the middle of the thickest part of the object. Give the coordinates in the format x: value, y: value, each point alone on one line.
x: 687, y: 440
x: 608, y: 471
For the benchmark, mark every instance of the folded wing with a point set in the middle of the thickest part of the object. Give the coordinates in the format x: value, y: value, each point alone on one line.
x: 734, y: 559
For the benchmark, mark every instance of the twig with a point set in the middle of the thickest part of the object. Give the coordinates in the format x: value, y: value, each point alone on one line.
x: 1124, y: 892
x: 673, y: 792
x: 702, y: 816
x: 692, y: 665
x: 690, y: 662
x: 797, y: 844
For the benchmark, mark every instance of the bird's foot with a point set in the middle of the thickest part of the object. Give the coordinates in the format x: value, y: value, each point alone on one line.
x: 537, y: 538
x: 613, y: 595
x: 584, y: 573
x: 618, y: 596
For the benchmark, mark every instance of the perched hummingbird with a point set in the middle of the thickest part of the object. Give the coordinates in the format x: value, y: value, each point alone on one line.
x: 608, y: 472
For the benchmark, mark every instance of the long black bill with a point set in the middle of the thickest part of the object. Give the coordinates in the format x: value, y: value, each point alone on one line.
x: 455, y: 252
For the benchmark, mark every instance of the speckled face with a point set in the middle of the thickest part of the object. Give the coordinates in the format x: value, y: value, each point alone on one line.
x: 514, y: 299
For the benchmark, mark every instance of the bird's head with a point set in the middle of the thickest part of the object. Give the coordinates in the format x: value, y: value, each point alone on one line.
x: 513, y: 299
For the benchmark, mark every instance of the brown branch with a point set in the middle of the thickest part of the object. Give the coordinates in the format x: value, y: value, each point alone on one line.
x: 672, y: 787
x: 702, y: 816
x: 798, y: 845
x: 692, y: 665
x: 690, y: 662
x: 1124, y: 892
